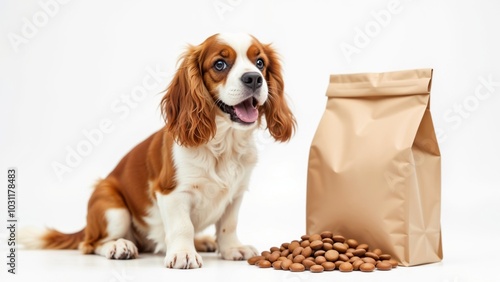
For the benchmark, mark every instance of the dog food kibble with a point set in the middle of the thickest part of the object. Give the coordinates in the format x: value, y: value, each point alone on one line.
x: 297, y: 267
x: 263, y: 263
x: 367, y: 267
x: 285, y: 264
x: 316, y: 268
x: 308, y: 263
x: 328, y: 266
x: 324, y: 252
x: 357, y: 264
x: 346, y: 267
x: 382, y: 265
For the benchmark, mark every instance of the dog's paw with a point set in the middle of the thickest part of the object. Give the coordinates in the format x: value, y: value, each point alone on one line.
x: 183, y: 260
x: 239, y: 253
x: 205, y: 244
x: 119, y: 249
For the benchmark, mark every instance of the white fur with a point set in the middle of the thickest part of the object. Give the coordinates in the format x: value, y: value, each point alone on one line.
x: 118, y: 226
x: 211, y: 178
x: 117, y: 249
x: 211, y: 181
x: 30, y: 237
x: 234, y: 92
x: 118, y: 223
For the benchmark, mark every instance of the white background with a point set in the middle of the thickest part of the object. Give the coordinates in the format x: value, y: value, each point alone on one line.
x: 65, y: 68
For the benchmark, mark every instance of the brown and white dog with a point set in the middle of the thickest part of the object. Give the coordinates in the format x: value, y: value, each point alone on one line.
x: 194, y: 171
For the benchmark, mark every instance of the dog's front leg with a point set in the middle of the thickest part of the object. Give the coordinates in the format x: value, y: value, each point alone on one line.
x: 175, y: 209
x: 230, y: 246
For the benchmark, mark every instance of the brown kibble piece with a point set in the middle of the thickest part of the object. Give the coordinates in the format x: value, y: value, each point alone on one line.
x: 356, y: 264
x: 320, y: 259
x: 265, y: 254
x: 293, y: 245
x: 353, y: 259
x: 327, y: 246
x: 274, y: 249
x: 285, y: 253
x: 274, y: 256
x: 319, y: 253
x: 343, y: 257
x: 328, y: 240
x: 385, y: 257
x: 316, y: 244
x: 384, y: 265
x: 277, y: 264
x: 338, y: 263
x: 285, y: 265
x: 328, y: 266
x: 314, y: 237
x: 362, y: 246
x: 304, y: 237
x: 282, y: 258
x: 305, y: 243
x: 332, y: 255
x: 393, y: 262
x: 372, y: 255
x: 307, y: 252
x: 298, y: 259
x: 367, y: 267
x: 377, y: 251
x: 346, y: 267
x: 263, y: 263
x: 308, y: 263
x: 338, y: 238
x: 297, y: 251
x: 254, y: 259
x: 297, y: 267
x: 352, y: 243
x: 359, y: 252
x: 326, y: 234
x: 317, y: 268
x: 340, y: 247
x: 369, y: 260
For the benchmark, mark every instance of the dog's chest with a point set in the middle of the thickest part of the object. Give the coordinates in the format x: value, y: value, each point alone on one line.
x: 214, y: 175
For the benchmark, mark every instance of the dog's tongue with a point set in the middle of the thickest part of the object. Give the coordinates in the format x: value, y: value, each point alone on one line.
x: 246, y: 111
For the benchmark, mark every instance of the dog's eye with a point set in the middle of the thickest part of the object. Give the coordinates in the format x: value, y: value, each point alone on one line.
x: 259, y: 64
x: 220, y: 65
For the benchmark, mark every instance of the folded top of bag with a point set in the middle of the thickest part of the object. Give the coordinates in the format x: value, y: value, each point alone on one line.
x: 408, y: 82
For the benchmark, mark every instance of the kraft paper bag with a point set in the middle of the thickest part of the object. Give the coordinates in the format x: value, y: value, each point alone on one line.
x: 374, y: 169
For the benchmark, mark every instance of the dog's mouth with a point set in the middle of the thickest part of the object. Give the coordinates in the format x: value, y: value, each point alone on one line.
x: 245, y: 112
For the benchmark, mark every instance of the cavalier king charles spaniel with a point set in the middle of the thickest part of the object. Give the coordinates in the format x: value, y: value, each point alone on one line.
x: 193, y: 172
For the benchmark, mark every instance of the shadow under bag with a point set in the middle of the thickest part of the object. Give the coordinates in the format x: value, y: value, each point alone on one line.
x: 375, y: 167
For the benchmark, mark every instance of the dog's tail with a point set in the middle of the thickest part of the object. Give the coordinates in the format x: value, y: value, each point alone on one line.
x: 34, y: 238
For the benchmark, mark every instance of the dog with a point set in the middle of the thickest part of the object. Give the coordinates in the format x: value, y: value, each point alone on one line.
x: 194, y: 171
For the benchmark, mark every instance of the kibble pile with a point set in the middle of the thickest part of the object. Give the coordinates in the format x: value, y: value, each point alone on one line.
x: 324, y: 252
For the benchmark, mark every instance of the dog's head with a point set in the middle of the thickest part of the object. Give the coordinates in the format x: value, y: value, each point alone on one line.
x: 229, y: 75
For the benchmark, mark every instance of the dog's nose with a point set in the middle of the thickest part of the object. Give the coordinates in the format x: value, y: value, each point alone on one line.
x: 252, y: 80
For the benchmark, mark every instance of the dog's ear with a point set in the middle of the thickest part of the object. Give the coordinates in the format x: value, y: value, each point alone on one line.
x: 280, y: 120
x: 187, y: 105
